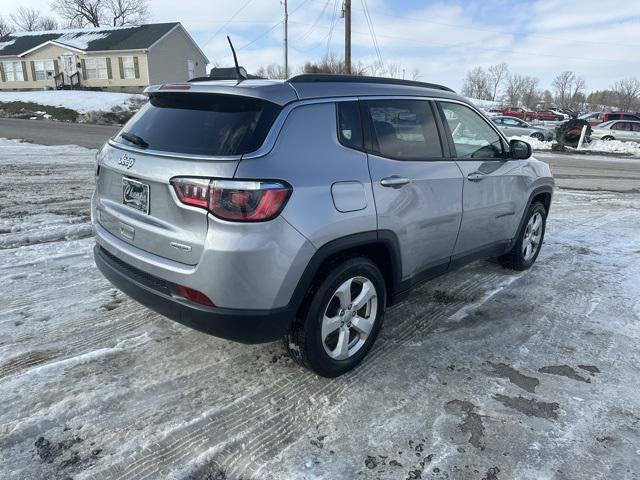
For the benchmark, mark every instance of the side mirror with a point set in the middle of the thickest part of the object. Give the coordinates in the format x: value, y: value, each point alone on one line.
x: 519, y: 150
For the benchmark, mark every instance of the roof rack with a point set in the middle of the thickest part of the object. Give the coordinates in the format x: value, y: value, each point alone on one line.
x: 328, y: 77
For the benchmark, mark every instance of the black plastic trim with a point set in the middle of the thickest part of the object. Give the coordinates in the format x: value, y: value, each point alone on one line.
x: 245, y: 326
x: 327, y: 77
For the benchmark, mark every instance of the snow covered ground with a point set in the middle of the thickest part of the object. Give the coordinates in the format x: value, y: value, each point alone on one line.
x: 595, y: 146
x: 79, y: 100
x: 482, y: 373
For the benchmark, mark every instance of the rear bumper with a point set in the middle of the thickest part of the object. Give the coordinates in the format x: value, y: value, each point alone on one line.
x: 246, y: 326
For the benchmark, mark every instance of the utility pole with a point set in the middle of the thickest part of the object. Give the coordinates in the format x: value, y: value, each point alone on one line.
x: 346, y: 8
x: 286, y: 46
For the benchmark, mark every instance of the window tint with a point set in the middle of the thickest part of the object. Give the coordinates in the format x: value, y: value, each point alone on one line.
x: 621, y: 126
x: 630, y: 117
x: 635, y: 127
x: 349, y: 125
x: 472, y: 135
x: 497, y: 121
x: 615, y: 116
x: 512, y: 122
x: 202, y: 123
x: 403, y: 129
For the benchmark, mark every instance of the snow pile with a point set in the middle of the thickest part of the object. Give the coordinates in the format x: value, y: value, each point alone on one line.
x: 613, y: 146
x: 80, y: 101
x: 484, y: 104
x: 81, y: 40
x: 534, y: 142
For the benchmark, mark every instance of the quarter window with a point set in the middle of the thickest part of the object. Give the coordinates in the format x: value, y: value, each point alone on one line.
x: 472, y: 136
x: 13, y: 71
x: 128, y: 67
x: 621, y: 126
x: 403, y: 129
x: 635, y: 127
x: 44, y: 69
x: 349, y: 125
x: 96, y: 68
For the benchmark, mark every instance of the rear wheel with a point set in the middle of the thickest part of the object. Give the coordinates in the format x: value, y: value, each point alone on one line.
x: 527, y: 246
x: 606, y: 138
x: 340, y: 319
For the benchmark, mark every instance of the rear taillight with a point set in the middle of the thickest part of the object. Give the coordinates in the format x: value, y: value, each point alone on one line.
x: 234, y: 200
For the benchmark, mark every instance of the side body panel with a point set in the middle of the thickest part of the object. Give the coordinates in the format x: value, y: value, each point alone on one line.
x: 308, y: 155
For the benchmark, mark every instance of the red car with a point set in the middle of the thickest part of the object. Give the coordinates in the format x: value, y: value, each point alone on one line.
x: 597, y: 118
x: 521, y: 113
x: 548, y: 115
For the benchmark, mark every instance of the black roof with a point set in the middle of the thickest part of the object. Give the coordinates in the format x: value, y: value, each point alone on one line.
x: 327, y: 77
x: 88, y: 39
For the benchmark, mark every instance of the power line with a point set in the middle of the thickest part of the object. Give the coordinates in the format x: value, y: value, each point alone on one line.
x: 333, y: 24
x: 315, y: 23
x: 245, y: 5
x: 372, y: 31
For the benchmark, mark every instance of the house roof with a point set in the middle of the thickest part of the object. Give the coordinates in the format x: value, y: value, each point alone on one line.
x: 100, y: 39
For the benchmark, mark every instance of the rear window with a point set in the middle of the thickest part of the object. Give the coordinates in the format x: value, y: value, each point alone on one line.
x: 200, y: 124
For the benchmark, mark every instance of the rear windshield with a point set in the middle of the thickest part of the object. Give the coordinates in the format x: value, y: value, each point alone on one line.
x: 200, y: 124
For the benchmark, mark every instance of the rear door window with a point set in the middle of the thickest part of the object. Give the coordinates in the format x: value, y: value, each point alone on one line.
x: 402, y: 129
x: 472, y: 135
x: 200, y: 124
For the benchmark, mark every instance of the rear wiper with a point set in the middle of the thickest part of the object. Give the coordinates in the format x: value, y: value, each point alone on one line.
x: 135, y: 139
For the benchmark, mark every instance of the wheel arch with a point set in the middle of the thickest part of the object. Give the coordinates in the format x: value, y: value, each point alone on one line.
x: 381, y: 247
x: 544, y: 194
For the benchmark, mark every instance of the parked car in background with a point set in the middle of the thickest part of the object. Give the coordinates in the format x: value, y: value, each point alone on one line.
x: 628, y: 131
x: 549, y: 115
x: 512, y: 127
x: 566, y: 111
x: 596, y: 118
x: 521, y: 113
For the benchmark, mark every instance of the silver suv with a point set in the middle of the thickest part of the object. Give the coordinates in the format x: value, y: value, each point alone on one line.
x: 260, y: 210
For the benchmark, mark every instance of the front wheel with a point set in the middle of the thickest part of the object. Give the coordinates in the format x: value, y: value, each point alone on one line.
x: 538, y: 136
x: 606, y: 138
x: 341, y: 320
x: 527, y: 246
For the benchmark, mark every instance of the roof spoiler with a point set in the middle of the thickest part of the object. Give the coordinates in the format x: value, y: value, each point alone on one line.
x: 328, y: 77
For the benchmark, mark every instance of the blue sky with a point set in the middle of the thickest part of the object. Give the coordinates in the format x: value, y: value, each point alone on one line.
x: 442, y: 39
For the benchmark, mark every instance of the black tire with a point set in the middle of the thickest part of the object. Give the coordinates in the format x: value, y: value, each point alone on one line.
x: 538, y: 136
x: 606, y: 138
x: 304, y: 342
x: 515, y: 259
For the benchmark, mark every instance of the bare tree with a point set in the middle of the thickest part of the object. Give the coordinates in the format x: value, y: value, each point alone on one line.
x: 496, y: 74
x: 332, y: 64
x: 476, y: 84
x: 127, y: 12
x: 416, y: 74
x: 26, y: 19
x: 275, y: 71
x: 48, y: 23
x: 516, y: 86
x: 80, y: 13
x: 530, y: 93
x: 5, y: 27
x: 627, y: 93
x: 568, y: 87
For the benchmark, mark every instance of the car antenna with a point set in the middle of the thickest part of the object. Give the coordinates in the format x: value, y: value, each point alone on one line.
x: 241, y: 73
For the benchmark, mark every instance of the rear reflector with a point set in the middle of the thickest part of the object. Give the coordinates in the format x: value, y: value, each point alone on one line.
x: 234, y: 200
x: 194, y: 295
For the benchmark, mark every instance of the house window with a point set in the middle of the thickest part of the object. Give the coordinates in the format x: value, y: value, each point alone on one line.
x: 128, y: 67
x: 13, y: 71
x: 44, y: 69
x: 96, y: 68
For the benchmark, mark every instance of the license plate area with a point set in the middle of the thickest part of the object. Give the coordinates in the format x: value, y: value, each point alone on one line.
x: 135, y: 194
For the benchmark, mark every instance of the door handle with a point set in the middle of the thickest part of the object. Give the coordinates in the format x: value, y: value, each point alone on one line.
x: 475, y: 176
x: 394, y: 181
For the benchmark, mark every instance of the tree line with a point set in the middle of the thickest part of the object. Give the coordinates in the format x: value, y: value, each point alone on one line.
x: 497, y: 83
x: 76, y: 14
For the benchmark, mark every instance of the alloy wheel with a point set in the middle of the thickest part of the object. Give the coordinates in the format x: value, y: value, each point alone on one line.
x: 532, y: 236
x: 349, y: 317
